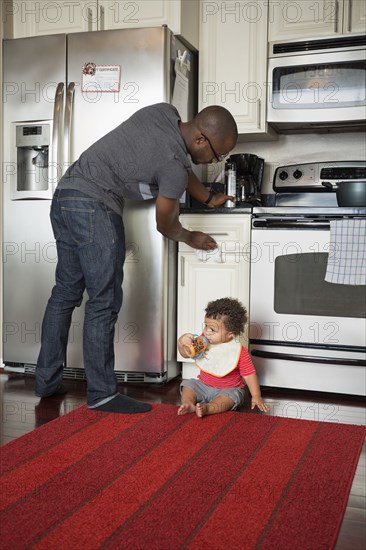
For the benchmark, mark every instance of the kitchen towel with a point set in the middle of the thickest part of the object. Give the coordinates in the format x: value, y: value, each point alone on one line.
x: 347, y: 252
x: 205, y: 255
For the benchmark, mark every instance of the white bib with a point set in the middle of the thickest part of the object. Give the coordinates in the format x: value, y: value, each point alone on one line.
x: 220, y: 359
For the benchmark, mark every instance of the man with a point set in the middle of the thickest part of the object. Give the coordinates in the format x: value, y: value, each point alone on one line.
x: 145, y: 157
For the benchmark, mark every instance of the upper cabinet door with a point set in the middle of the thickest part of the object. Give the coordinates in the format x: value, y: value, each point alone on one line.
x: 354, y: 16
x: 290, y: 20
x: 181, y: 16
x: 40, y: 17
x: 305, y: 19
x: 37, y: 17
x: 233, y: 61
x: 120, y: 14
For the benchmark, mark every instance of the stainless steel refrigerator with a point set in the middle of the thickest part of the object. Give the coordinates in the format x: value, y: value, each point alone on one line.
x: 61, y: 94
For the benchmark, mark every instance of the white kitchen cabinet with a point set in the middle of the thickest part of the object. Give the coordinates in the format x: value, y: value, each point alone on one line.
x: 233, y: 62
x: 202, y: 279
x: 39, y: 17
x: 354, y: 16
x: 315, y: 18
x: 181, y: 16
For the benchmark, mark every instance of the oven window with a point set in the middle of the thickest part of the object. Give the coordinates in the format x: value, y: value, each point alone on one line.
x: 300, y: 289
x: 319, y: 86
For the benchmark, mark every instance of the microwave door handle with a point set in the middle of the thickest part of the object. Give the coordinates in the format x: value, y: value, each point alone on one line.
x: 67, y: 124
x: 308, y: 358
x: 57, y: 111
x: 336, y: 16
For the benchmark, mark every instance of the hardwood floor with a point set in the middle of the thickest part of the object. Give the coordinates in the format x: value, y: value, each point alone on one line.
x: 23, y: 412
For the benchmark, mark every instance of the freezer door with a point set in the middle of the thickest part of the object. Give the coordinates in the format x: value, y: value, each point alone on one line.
x: 34, y: 80
x: 33, y: 69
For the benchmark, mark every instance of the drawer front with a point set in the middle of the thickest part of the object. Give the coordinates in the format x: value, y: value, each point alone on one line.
x: 231, y: 233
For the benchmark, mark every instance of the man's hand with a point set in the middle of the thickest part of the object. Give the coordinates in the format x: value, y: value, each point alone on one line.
x: 201, y: 193
x: 219, y: 199
x: 201, y: 241
x: 168, y: 224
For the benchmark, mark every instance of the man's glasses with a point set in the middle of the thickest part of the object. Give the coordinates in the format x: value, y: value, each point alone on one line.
x: 218, y: 158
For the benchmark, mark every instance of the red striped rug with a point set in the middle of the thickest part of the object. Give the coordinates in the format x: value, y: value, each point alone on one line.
x: 161, y: 481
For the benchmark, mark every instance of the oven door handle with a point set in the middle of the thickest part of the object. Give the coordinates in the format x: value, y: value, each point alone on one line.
x: 308, y: 358
x: 290, y: 224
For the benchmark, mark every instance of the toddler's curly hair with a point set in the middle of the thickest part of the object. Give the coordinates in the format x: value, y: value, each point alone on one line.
x: 231, y: 311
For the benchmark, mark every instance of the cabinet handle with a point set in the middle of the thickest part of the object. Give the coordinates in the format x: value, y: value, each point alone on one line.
x: 213, y: 234
x: 336, y: 16
x: 259, y: 112
x: 349, y: 25
x: 102, y: 18
x: 90, y: 19
x: 182, y: 266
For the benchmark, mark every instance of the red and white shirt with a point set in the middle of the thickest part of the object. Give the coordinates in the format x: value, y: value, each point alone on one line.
x: 244, y: 367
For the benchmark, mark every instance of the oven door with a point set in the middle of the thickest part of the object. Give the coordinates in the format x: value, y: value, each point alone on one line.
x: 310, y: 368
x: 299, y: 323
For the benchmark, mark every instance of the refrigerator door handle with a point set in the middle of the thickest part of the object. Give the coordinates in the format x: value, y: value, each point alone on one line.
x: 57, y: 110
x: 67, y: 125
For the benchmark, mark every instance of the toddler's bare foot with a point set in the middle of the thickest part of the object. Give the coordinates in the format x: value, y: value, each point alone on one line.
x: 186, y: 408
x: 201, y: 409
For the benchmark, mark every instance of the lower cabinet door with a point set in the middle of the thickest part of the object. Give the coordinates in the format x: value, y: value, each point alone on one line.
x: 199, y: 282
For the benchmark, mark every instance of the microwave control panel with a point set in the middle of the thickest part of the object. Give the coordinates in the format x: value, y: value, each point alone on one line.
x: 315, y: 176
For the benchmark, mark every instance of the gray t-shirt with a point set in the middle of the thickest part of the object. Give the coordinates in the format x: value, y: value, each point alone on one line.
x: 141, y: 158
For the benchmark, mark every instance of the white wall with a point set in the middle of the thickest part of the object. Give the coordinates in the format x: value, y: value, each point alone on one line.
x: 300, y: 148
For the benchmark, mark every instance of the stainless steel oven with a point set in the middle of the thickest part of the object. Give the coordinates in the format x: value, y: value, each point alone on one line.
x: 305, y: 332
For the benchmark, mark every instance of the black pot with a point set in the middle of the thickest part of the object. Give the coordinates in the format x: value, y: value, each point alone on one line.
x: 351, y: 193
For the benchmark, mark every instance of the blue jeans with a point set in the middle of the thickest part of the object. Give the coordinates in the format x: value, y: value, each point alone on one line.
x: 90, y: 244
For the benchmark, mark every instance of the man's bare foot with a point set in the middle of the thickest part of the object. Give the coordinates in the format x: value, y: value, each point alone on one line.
x: 201, y: 410
x: 186, y: 408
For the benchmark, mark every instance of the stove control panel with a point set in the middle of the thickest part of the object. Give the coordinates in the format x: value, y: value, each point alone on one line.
x: 312, y: 176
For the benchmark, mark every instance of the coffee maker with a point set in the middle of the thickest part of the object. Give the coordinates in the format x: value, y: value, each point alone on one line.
x: 249, y: 175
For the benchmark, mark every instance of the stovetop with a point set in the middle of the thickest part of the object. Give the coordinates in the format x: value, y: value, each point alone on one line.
x: 310, y: 188
x: 311, y: 176
x: 299, y: 190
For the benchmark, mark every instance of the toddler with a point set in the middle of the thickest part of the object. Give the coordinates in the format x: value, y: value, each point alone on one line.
x: 225, y: 365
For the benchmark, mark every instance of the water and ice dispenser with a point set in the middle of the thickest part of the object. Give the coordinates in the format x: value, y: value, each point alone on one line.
x: 33, y: 151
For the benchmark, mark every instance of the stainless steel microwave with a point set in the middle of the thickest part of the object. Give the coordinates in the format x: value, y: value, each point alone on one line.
x: 317, y: 84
